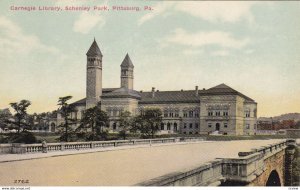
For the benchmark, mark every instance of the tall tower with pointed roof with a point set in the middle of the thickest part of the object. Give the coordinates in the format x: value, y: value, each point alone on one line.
x: 127, y: 73
x: 93, y: 75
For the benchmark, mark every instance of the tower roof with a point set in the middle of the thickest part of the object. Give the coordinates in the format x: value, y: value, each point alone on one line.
x: 94, y: 50
x: 127, y: 62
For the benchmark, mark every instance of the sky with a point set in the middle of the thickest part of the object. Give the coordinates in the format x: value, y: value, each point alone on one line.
x: 252, y: 47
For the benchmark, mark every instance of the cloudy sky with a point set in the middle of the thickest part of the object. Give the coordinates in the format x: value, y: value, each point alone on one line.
x: 251, y: 46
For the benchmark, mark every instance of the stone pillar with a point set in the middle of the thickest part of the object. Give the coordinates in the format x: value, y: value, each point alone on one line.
x: 288, y: 166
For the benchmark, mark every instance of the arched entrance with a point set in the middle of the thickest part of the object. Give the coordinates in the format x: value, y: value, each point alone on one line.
x: 217, y: 126
x: 273, y: 179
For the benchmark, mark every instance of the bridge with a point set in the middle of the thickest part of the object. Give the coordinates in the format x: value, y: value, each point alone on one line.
x: 194, y: 163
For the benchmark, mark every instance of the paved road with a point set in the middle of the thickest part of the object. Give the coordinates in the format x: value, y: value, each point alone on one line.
x: 121, y: 167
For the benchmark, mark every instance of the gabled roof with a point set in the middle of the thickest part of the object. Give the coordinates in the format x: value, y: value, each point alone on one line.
x: 122, y: 92
x: 188, y: 96
x: 94, y: 50
x: 223, y: 89
x: 82, y: 102
x: 127, y: 62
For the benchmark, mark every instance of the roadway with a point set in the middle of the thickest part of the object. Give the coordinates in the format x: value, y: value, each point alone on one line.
x: 122, y: 167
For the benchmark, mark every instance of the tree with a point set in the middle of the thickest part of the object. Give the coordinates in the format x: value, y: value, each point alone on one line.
x: 5, y: 116
x: 94, y: 119
x: 65, y: 110
x: 297, y: 125
x: 20, y: 118
x: 126, y: 122
x: 147, y: 123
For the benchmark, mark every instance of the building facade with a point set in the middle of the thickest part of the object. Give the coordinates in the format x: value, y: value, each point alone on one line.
x: 217, y: 110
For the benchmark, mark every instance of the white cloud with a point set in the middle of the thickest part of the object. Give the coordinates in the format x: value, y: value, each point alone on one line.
x: 200, y: 39
x: 15, y: 41
x: 213, y: 11
x: 249, y: 51
x: 158, y: 9
x: 193, y: 52
x: 87, y: 21
x: 221, y: 53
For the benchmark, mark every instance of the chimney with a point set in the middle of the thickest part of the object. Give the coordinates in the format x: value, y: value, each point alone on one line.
x: 196, y: 90
x: 153, y: 92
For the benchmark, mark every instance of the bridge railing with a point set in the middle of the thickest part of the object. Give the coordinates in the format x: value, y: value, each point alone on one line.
x: 243, y: 169
x: 208, y: 174
x: 18, y: 148
x: 250, y: 164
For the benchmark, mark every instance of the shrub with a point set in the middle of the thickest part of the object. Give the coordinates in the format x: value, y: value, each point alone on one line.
x: 22, y: 137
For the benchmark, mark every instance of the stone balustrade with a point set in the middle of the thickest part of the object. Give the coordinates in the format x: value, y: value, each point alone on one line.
x: 243, y: 169
x: 208, y: 174
x: 5, y: 148
x: 17, y: 148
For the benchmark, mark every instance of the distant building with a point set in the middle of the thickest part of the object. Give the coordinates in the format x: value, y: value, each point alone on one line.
x: 218, y: 109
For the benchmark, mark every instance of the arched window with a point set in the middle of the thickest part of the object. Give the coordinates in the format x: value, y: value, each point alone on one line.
x: 169, y: 126
x: 162, y: 126
x: 175, y: 127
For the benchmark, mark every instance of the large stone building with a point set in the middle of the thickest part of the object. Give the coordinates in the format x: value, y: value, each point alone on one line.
x: 219, y: 109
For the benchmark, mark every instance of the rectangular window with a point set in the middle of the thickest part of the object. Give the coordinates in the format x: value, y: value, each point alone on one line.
x: 191, y: 113
x: 184, y: 114
x: 247, y: 126
x: 184, y: 125
x: 196, y: 125
x: 247, y: 113
x: 225, y: 125
x: 225, y: 113
x: 196, y: 114
x: 171, y: 114
x: 162, y: 126
x: 191, y: 125
x: 209, y: 125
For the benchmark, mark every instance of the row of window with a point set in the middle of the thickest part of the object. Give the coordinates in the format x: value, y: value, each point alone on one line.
x: 225, y: 125
x: 191, y: 114
x: 217, y: 113
x: 185, y: 114
x: 196, y: 133
x: 185, y: 125
x: 171, y: 114
x: 162, y: 126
